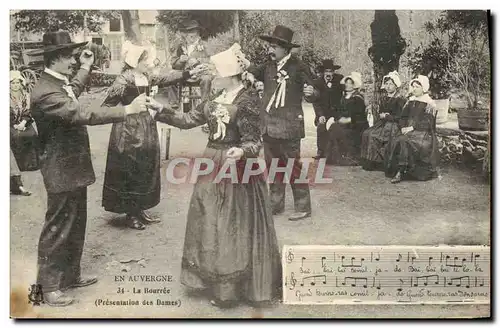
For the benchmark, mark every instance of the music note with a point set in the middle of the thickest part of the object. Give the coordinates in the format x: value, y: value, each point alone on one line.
x: 426, y: 282
x: 290, y: 256
x: 401, y: 283
x: 454, y: 262
x: 365, y: 285
x: 378, y: 287
x: 430, y: 259
x: 399, y: 258
x: 293, y: 281
x: 323, y: 260
x: 475, y: 258
x: 459, y: 284
x: 303, y: 258
x: 377, y: 258
x: 313, y: 282
x: 352, y: 262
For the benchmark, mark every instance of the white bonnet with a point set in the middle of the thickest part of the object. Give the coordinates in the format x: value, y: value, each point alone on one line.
x: 394, y: 76
x: 131, y: 53
x: 423, y: 80
x: 356, y: 79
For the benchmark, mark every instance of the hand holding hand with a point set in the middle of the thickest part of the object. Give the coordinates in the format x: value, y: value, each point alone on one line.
x: 198, y: 70
x: 154, y: 104
x: 322, y: 120
x: 308, y: 90
x: 344, y: 120
x: 235, y: 153
x: 249, y: 77
x: 137, y: 105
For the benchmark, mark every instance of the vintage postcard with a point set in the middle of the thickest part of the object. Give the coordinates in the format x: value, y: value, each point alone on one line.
x: 250, y: 164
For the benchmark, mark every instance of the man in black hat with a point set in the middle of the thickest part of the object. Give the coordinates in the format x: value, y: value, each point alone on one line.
x: 286, y: 81
x: 328, y: 102
x: 66, y: 163
x: 190, y: 53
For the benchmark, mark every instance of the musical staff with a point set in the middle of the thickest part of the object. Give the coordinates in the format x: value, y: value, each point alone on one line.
x: 386, y: 274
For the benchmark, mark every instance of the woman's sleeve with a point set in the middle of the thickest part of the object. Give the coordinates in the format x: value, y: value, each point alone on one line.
x: 168, y: 77
x: 248, y: 121
x: 26, y: 114
x: 181, y: 120
x: 403, y: 117
x: 358, y: 112
x: 114, y: 94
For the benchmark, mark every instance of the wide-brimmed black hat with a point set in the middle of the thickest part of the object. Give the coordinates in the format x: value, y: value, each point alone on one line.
x: 55, y: 41
x: 281, y: 35
x: 190, y: 25
x: 328, y: 64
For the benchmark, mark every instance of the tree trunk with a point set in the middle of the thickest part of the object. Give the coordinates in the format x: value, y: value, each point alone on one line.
x: 167, y: 48
x: 236, y: 26
x: 131, y: 26
x: 386, y: 50
x: 348, y: 32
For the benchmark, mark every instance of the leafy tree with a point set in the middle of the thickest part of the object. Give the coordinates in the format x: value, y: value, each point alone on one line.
x: 459, y: 54
x: 53, y: 20
x: 213, y: 21
x: 387, y: 47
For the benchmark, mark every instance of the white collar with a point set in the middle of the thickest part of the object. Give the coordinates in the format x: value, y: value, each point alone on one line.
x: 228, y: 97
x: 423, y: 98
x: 58, y: 76
x: 283, y: 61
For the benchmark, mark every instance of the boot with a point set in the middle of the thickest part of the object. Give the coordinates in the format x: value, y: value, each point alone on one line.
x: 16, y: 186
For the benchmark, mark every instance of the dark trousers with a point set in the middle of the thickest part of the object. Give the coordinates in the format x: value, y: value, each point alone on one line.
x: 283, y: 150
x: 321, y: 139
x: 61, y: 241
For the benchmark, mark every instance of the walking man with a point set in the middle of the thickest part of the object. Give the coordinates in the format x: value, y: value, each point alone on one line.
x: 66, y: 163
x: 286, y: 81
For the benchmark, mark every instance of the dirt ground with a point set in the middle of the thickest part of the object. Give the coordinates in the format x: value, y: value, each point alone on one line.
x: 358, y: 208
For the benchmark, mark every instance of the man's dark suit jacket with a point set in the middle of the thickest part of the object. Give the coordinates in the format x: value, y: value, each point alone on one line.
x: 66, y: 163
x: 284, y: 122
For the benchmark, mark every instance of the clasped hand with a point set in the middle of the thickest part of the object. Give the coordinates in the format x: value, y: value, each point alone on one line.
x: 344, y: 120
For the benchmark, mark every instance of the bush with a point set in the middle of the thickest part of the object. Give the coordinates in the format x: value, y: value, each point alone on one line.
x: 458, y: 56
x: 433, y: 62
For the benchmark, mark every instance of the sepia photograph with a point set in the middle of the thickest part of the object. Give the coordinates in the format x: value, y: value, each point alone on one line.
x: 250, y: 164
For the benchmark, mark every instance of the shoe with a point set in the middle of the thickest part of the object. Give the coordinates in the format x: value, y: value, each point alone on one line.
x: 83, y: 282
x: 147, y: 218
x: 134, y: 223
x: 318, y: 156
x: 223, y: 304
x: 21, y: 191
x: 57, y: 298
x: 299, y: 216
x: 397, y: 178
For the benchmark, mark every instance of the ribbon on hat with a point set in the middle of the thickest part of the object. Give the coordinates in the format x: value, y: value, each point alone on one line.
x: 280, y: 92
